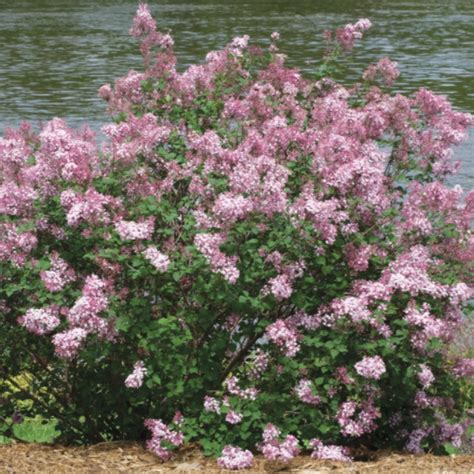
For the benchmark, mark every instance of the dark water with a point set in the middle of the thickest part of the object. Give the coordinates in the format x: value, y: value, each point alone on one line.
x: 55, y: 54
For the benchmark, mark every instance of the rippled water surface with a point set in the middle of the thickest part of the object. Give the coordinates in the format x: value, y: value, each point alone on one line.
x: 55, y: 54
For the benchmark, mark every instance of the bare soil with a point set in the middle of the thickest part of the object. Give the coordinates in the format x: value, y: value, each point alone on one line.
x: 133, y: 458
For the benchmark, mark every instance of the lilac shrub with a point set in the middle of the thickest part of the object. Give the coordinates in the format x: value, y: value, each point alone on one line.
x: 250, y: 251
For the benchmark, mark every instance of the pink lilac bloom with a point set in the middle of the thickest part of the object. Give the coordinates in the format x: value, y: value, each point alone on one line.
x: 209, y: 246
x: 279, y: 287
x: 129, y: 230
x: 425, y: 376
x: 59, y: 275
x: 135, y: 379
x: 447, y: 433
x: 143, y: 22
x: 63, y: 154
x: 464, y: 368
x: 409, y: 273
x: 270, y: 433
x: 161, y: 432
x: 15, y: 246
x: 329, y: 452
x: 127, y: 92
x: 284, y: 451
x: 40, y: 321
x: 415, y: 439
x: 86, y: 309
x: 232, y: 385
x: 360, y: 424
x: 347, y: 36
x: 212, y: 405
x: 371, y: 367
x: 385, y: 68
x: 238, y: 44
x: 68, y: 343
x: 423, y: 400
x: 105, y: 92
x: 230, y: 208
x: 358, y: 257
x: 233, y: 417
x: 284, y: 336
x: 159, y: 260
x: 233, y: 457
x: 16, y: 200
x: 304, y: 392
x: 139, y: 135
x: 260, y: 363
x: 427, y: 324
x: 343, y: 376
x: 91, y: 207
x: 460, y: 293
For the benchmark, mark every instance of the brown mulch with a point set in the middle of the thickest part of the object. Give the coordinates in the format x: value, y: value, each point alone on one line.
x: 133, y: 458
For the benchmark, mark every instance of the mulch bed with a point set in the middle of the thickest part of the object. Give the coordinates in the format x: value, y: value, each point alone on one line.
x: 132, y: 457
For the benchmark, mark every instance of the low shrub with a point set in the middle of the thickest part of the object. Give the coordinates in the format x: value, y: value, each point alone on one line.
x: 253, y: 260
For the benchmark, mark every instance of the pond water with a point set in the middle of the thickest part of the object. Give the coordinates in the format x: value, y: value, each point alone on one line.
x: 55, y: 54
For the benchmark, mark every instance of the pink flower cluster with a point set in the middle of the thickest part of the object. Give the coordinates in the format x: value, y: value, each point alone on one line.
x: 64, y: 154
x: 130, y: 230
x: 360, y: 424
x: 233, y: 417
x: 259, y: 363
x: 304, y: 391
x: 233, y: 457
x: 143, y: 22
x: 159, y: 433
x: 212, y: 405
x: 442, y: 432
x: 68, y: 343
x: 232, y: 386
x: 425, y: 376
x: 358, y: 257
x: 135, y: 379
x: 385, y: 68
x: 425, y: 324
x: 284, y: 336
x: 90, y: 207
x: 343, y: 376
x: 16, y: 200
x: 371, y: 367
x: 159, y: 260
x: 229, y: 207
x: 86, y: 310
x: 415, y: 439
x: 209, y: 246
x: 40, y: 321
x: 137, y: 136
x: 280, y: 287
x: 273, y: 449
x: 347, y: 36
x: 59, y: 275
x: 329, y: 452
x: 84, y: 319
x: 15, y: 246
x: 464, y: 368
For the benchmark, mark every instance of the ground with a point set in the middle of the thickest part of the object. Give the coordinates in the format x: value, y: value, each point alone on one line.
x: 133, y: 458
